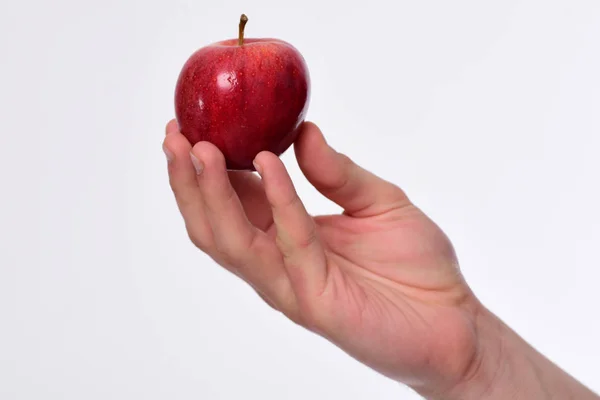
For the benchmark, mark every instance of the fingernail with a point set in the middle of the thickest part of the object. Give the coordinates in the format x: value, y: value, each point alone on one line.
x: 168, y: 154
x: 197, y: 164
x: 257, y: 167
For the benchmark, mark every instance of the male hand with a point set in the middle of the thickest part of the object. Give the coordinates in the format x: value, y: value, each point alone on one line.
x: 381, y: 280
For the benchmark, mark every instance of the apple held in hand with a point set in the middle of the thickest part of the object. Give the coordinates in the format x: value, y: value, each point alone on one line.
x: 244, y: 96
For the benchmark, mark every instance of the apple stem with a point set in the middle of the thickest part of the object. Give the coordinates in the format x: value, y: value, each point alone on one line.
x: 243, y: 21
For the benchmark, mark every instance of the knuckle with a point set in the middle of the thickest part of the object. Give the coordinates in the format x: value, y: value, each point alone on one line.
x: 173, y: 183
x: 291, y: 247
x: 345, y: 160
x: 307, y: 240
x: 237, y: 249
x: 225, y: 249
x: 229, y: 195
x: 347, y: 164
x: 397, y: 196
x: 201, y: 238
x: 291, y: 201
x: 285, y: 248
x: 196, y: 241
x: 341, y: 179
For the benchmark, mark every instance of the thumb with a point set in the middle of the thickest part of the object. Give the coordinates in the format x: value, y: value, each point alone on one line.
x: 359, y: 192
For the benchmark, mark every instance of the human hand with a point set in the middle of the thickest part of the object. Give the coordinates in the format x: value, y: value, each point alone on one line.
x: 381, y: 280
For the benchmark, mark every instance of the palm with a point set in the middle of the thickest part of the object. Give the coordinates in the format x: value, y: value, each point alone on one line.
x: 392, y: 284
x: 380, y: 280
x: 401, y: 246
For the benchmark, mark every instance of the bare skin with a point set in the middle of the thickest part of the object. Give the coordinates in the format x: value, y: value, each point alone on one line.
x: 381, y: 280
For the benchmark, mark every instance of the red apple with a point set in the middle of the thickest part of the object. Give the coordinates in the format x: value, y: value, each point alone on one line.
x: 244, y: 96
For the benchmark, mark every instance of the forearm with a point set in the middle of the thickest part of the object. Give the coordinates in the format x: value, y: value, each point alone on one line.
x: 507, y: 367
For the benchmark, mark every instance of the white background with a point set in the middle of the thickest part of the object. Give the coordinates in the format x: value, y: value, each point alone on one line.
x: 486, y: 113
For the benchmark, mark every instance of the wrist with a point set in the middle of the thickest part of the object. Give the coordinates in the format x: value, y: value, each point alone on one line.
x: 493, y: 364
x: 506, y: 367
x: 488, y: 365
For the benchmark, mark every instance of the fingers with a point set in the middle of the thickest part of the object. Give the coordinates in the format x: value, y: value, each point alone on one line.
x: 182, y: 179
x: 359, y: 192
x: 233, y: 232
x: 240, y: 244
x: 216, y: 221
x: 297, y: 238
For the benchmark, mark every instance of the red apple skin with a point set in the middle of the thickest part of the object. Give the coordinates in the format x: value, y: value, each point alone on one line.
x: 243, y: 99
